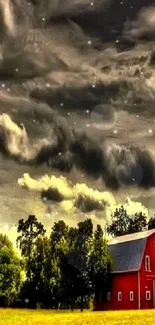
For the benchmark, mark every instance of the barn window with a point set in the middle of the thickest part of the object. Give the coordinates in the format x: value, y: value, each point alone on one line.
x: 147, y: 263
x: 119, y: 296
x: 148, y: 295
x: 131, y: 296
x: 109, y: 296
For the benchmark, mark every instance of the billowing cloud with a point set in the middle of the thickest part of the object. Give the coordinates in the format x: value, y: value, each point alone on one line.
x: 58, y: 189
x: 15, y: 142
x: 79, y: 197
x: 117, y: 165
x: 135, y: 207
x: 144, y: 25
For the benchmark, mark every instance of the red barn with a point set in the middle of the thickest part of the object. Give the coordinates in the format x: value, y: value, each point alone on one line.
x: 133, y: 276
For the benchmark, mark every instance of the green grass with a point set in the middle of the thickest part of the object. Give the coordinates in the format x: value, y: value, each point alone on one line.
x: 42, y: 317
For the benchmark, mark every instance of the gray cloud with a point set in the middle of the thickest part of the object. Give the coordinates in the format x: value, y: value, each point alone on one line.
x: 58, y: 62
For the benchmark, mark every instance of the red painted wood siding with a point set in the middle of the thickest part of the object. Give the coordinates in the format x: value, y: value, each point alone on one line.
x: 123, y: 283
x: 147, y: 278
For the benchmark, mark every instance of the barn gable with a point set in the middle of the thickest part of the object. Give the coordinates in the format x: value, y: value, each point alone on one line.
x: 127, y: 251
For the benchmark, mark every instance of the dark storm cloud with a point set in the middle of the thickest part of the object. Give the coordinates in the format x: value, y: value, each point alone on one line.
x: 80, y: 97
x: 118, y: 166
x: 59, y: 65
x: 143, y: 26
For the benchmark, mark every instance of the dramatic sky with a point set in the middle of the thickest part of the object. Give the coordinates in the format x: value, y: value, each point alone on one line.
x: 77, y: 109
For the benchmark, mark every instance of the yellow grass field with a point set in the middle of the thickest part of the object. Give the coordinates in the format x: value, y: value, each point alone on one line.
x: 35, y: 317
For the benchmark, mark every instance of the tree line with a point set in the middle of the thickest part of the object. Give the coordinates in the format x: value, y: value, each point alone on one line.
x: 63, y: 270
x: 68, y: 268
x: 124, y: 224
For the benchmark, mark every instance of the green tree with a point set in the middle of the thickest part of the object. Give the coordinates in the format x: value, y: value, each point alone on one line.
x: 10, y: 273
x: 123, y: 224
x: 120, y: 223
x: 58, y: 249
x: 151, y: 223
x: 138, y: 223
x: 100, y: 265
x: 69, y: 272
x: 79, y: 258
x: 5, y: 242
x: 31, y: 232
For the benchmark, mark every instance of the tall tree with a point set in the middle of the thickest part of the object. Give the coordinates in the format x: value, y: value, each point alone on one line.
x: 123, y: 224
x: 58, y: 249
x: 31, y: 230
x: 120, y: 223
x: 10, y: 273
x: 79, y: 257
x: 138, y: 223
x: 100, y: 265
x: 69, y: 271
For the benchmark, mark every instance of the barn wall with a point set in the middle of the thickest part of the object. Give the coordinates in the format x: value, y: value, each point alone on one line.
x: 147, y: 278
x: 129, y: 282
x: 124, y: 283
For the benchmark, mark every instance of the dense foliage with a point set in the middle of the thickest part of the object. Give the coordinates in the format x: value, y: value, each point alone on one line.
x: 64, y: 270
x: 123, y: 223
x: 10, y: 273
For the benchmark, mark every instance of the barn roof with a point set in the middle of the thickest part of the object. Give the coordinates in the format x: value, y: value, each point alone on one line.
x: 127, y: 251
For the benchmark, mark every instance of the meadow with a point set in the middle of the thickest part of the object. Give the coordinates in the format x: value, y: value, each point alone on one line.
x: 42, y: 317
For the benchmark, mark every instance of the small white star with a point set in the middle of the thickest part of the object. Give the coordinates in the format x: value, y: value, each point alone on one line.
x: 92, y: 3
x: 34, y: 121
x: 60, y: 153
x: 74, y: 123
x: 47, y: 85
x: 8, y: 89
x: 68, y: 114
x: 16, y: 69
x: 137, y: 115
x: 93, y: 86
x: 43, y: 18
x: 3, y: 85
x: 61, y: 104
x: 89, y: 42
x: 150, y: 131
x: 115, y: 131
x: 88, y: 125
x: 117, y: 41
x: 133, y: 179
x: 87, y: 111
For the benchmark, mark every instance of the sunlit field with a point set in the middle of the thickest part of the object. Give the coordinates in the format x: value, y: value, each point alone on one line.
x: 26, y: 317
